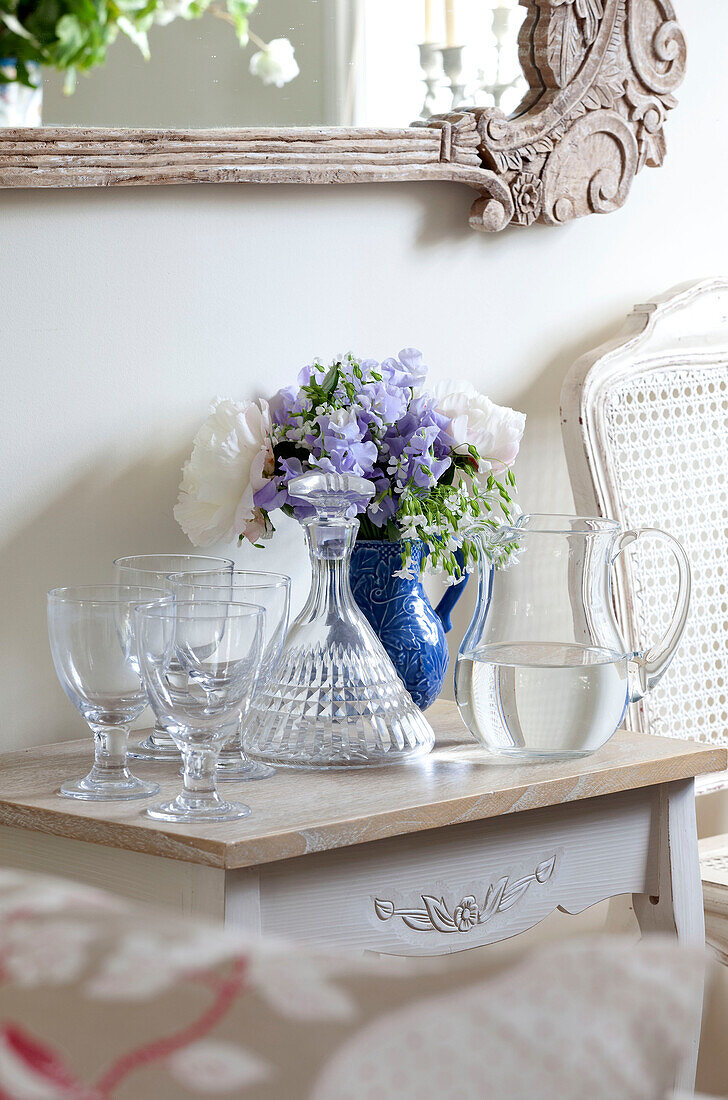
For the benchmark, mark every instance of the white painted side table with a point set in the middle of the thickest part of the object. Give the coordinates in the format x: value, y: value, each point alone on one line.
x: 444, y: 854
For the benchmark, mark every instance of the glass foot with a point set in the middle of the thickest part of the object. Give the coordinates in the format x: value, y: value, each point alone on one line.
x: 109, y: 790
x: 237, y: 766
x: 181, y: 810
x: 154, y: 748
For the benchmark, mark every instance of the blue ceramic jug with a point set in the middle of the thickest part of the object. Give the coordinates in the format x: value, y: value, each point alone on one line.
x: 411, y: 631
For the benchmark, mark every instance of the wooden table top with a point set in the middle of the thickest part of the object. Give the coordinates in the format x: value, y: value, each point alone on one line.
x: 298, y: 812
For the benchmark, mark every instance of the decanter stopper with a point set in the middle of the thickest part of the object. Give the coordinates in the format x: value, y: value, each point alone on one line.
x: 336, y: 699
x: 332, y: 495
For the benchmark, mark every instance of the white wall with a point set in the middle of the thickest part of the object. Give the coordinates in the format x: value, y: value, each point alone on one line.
x: 125, y: 311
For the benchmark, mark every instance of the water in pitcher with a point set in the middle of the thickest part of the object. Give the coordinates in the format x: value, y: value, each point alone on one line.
x: 542, y: 699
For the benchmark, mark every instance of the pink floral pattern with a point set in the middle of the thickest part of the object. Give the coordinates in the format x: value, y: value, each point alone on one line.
x: 100, y: 999
x: 33, y: 1071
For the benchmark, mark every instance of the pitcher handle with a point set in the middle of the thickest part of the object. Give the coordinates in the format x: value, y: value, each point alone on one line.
x: 652, y: 664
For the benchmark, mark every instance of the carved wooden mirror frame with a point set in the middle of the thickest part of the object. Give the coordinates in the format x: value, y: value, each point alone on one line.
x: 601, y: 77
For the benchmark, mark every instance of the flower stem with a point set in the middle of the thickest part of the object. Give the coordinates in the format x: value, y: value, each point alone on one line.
x: 257, y: 41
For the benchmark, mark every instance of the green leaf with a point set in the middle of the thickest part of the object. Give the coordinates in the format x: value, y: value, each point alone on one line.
x: 240, y: 10
x: 71, y: 40
x: 13, y: 24
x: 330, y: 379
x: 135, y: 35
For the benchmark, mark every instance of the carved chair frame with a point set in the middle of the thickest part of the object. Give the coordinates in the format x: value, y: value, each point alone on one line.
x: 677, y: 342
x: 601, y: 76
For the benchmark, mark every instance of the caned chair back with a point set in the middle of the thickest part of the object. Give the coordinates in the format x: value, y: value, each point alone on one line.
x: 645, y: 429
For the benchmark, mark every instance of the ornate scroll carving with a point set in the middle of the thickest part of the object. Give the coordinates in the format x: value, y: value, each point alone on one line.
x: 437, y: 916
x: 602, y: 76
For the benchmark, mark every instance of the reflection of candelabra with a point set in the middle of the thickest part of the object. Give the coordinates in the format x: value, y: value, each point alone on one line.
x: 431, y: 64
x: 505, y: 33
x: 452, y: 63
x: 456, y: 75
x: 444, y: 73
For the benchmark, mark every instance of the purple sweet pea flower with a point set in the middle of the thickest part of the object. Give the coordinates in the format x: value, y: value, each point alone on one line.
x: 345, y: 457
x: 423, y: 412
x: 309, y: 373
x: 282, y: 404
x: 274, y: 493
x: 342, y: 441
x: 380, y: 511
x: 290, y: 468
x: 386, y: 403
x: 271, y: 496
x: 407, y: 370
x: 414, y: 458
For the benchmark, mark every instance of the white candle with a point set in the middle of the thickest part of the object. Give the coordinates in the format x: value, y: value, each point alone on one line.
x: 429, y: 37
x: 451, y: 23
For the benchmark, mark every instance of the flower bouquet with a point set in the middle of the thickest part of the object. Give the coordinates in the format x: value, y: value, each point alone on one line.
x: 440, y: 459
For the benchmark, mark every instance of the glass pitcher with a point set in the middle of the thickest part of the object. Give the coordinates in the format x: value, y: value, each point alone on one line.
x: 543, y: 672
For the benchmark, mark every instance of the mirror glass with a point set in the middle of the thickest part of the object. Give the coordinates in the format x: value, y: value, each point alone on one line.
x: 213, y: 63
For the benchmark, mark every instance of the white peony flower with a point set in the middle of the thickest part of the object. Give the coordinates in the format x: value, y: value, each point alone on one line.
x: 494, y: 430
x: 275, y: 63
x: 231, y: 459
x: 169, y: 10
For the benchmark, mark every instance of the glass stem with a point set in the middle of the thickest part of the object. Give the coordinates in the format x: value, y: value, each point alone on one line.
x: 199, y: 772
x: 110, y: 744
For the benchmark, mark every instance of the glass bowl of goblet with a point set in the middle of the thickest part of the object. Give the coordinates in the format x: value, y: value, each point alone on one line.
x: 91, y: 634
x: 200, y: 661
x: 153, y: 569
x: 271, y: 591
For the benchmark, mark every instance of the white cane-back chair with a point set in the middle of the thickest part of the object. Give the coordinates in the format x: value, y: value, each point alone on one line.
x: 645, y: 428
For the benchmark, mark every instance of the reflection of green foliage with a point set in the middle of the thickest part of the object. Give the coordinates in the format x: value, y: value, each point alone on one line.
x: 240, y: 10
x: 74, y: 35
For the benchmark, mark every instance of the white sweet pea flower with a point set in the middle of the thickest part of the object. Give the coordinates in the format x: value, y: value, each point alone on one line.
x: 167, y: 11
x: 275, y: 63
x: 231, y: 459
x: 341, y: 419
x: 494, y: 430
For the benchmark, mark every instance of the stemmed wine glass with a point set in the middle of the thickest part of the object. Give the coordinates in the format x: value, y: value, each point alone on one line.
x: 91, y: 633
x: 153, y: 569
x: 200, y: 661
x: 271, y: 591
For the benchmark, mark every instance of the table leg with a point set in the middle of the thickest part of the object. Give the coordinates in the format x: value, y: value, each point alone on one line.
x: 242, y: 900
x: 678, y: 906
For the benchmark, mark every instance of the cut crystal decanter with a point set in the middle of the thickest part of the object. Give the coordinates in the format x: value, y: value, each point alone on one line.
x: 335, y: 699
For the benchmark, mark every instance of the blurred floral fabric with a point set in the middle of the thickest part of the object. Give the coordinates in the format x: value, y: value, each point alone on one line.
x: 101, y: 998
